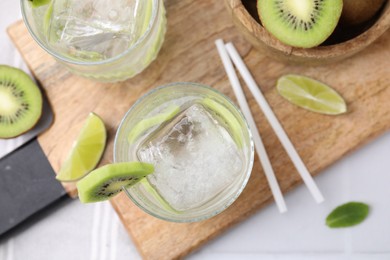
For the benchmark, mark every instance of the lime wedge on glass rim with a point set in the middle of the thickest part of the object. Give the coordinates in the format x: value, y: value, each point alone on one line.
x: 311, y: 94
x: 86, y: 152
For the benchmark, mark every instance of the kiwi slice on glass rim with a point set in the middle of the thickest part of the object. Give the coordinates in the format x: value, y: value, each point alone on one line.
x: 300, y: 23
x: 20, y: 102
x: 107, y: 181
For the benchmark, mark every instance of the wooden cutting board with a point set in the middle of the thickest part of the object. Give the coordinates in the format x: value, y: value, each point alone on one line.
x: 189, y: 54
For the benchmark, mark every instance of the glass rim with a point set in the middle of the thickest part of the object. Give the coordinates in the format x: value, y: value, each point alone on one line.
x: 152, y: 22
x: 236, y: 194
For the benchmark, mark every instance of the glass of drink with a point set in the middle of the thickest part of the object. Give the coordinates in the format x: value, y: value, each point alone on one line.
x: 99, y: 39
x: 200, y: 145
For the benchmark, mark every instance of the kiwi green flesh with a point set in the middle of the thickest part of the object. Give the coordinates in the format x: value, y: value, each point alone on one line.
x: 38, y: 3
x: 20, y: 102
x: 107, y: 181
x: 300, y: 23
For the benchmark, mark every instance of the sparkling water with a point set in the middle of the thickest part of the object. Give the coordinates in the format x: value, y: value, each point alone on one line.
x: 195, y: 158
x: 96, y: 29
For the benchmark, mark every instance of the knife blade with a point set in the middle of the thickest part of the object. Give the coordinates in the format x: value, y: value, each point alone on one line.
x: 27, y: 185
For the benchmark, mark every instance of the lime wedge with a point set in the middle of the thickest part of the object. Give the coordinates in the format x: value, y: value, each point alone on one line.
x: 147, y: 123
x: 311, y: 95
x: 86, y: 151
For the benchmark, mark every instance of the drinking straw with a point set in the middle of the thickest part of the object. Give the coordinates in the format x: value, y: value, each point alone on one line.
x: 278, y: 129
x: 261, y: 152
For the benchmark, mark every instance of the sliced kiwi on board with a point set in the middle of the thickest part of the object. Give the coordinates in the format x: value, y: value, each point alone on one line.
x: 107, y: 181
x: 38, y: 3
x: 300, y: 23
x: 147, y: 123
x: 227, y: 117
x: 20, y: 102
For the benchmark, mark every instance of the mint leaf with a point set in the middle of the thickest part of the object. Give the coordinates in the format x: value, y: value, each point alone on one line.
x: 347, y: 215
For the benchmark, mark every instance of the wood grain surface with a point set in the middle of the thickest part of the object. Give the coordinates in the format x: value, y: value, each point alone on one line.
x: 189, y: 54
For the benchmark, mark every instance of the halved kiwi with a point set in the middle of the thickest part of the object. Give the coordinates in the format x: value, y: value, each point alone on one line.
x: 20, y: 102
x: 300, y: 23
x: 107, y: 181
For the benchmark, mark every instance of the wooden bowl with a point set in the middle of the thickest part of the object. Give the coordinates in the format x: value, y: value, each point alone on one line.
x: 343, y: 43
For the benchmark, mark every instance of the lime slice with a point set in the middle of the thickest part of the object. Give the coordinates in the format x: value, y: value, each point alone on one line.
x: 107, y: 181
x: 229, y: 120
x: 311, y: 95
x: 86, y: 151
x: 147, y: 123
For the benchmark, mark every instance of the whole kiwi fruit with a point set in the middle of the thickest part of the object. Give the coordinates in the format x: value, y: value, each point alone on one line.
x: 359, y: 11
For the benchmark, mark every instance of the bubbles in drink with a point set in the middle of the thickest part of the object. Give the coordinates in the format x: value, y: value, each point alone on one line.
x: 195, y: 158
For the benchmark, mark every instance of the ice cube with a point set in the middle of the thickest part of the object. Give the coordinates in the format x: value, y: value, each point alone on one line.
x: 96, y: 29
x: 195, y: 159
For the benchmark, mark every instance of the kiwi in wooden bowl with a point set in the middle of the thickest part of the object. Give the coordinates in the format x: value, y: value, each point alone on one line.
x: 344, y: 40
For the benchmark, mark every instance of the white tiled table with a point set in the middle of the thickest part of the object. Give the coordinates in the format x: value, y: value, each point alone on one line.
x: 75, y: 231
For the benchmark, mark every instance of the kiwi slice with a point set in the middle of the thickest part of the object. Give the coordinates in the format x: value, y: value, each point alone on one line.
x: 227, y: 119
x: 300, y: 23
x: 20, y: 102
x: 107, y: 181
x: 38, y: 3
x: 147, y: 123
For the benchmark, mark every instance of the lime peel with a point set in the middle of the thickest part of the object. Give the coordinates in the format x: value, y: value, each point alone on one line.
x: 149, y: 188
x: 311, y: 94
x: 227, y: 116
x: 147, y: 123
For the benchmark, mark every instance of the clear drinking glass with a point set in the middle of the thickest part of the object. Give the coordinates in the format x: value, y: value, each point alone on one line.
x: 200, y: 145
x: 103, y: 40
